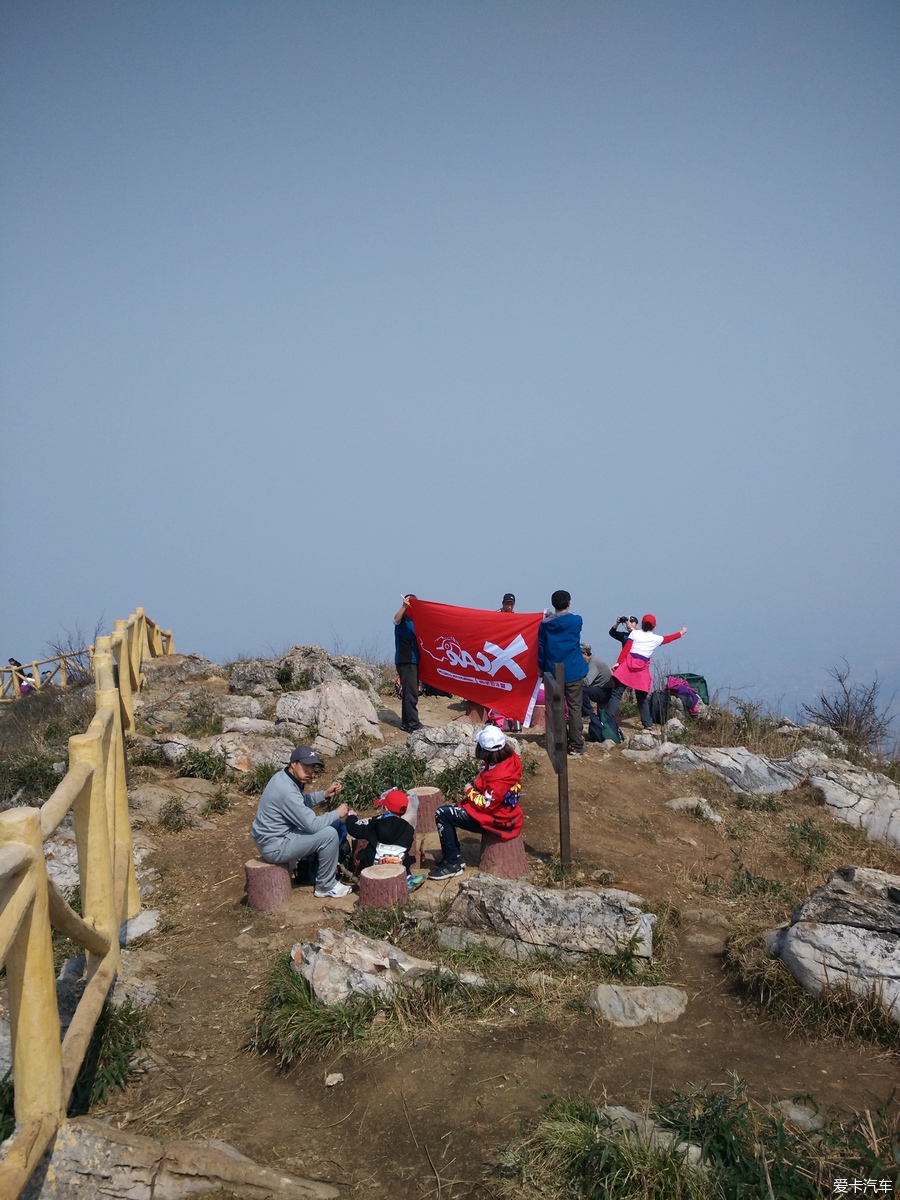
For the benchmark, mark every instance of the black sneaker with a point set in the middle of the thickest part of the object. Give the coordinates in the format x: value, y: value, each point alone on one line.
x: 576, y: 751
x: 446, y: 871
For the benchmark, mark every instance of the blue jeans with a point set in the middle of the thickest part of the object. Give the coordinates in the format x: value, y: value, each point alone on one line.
x: 449, y: 818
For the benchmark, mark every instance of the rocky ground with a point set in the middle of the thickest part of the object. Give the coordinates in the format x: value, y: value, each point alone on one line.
x: 424, y: 1115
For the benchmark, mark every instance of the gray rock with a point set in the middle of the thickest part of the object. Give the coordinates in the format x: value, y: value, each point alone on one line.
x: 454, y: 937
x: 861, y: 798
x: 336, y: 712
x: 648, y: 1133
x: 338, y: 965
x: 242, y: 751
x: 247, y: 724
x: 239, y: 706
x: 674, y: 726
x: 801, y: 1115
x: 629, y: 1007
x: 643, y: 741
x: 753, y: 774
x: 171, y: 669
x: 657, y: 754
x: 445, y: 745
x: 151, y: 798
x: 146, y: 921
x: 574, y: 920
x: 847, y: 935
x: 695, y: 804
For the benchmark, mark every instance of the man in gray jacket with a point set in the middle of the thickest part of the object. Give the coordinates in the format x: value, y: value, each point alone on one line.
x: 286, y: 828
x: 598, y: 683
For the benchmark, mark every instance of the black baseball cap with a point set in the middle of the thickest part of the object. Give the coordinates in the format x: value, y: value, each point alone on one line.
x: 509, y: 598
x: 307, y: 756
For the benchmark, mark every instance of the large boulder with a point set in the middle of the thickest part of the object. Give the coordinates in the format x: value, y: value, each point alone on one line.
x: 861, y: 798
x: 334, y: 715
x: 570, y: 921
x: 846, y: 934
x: 170, y: 670
x: 338, y: 965
x: 191, y: 795
x: 752, y: 774
x: 447, y: 745
x: 303, y: 667
x: 243, y: 751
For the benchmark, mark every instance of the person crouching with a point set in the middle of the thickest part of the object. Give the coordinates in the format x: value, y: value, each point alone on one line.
x: 491, y: 803
x: 387, y: 838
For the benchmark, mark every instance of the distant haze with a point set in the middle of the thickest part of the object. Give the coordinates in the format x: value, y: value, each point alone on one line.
x: 308, y: 304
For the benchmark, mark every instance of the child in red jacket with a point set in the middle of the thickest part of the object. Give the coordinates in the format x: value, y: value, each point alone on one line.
x: 491, y: 803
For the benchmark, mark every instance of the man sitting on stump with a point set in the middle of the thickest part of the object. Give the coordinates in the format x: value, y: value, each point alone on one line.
x: 286, y: 828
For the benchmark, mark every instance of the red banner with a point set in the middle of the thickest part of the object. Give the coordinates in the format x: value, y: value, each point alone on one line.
x: 487, y: 657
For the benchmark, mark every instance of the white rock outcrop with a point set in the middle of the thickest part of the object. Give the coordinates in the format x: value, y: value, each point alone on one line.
x: 570, y: 921
x: 446, y: 745
x: 336, y: 712
x: 846, y: 934
x: 753, y: 774
x: 630, y: 1007
x: 695, y: 804
x: 861, y: 798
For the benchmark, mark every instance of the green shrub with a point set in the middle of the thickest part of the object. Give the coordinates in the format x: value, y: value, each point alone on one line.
x: 400, y: 768
x: 757, y: 803
x: 218, y: 804
x: 121, y: 1032
x: 203, y: 764
x: 807, y: 843
x: 203, y: 718
x: 174, y: 816
x: 453, y: 779
x: 257, y: 777
x: 27, y: 777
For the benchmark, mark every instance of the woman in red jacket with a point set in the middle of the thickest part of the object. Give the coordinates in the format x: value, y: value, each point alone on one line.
x: 491, y: 803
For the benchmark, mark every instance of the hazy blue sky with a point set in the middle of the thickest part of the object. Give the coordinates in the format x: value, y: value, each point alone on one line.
x: 305, y: 304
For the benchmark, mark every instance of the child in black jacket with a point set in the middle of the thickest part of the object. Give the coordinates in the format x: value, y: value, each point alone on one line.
x: 388, y: 837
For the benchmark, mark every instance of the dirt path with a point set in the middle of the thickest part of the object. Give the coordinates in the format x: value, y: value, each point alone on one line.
x: 414, y: 1116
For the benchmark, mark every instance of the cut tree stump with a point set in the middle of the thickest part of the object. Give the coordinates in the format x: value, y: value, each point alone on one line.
x: 383, y: 885
x: 268, y: 885
x: 430, y: 800
x: 538, y: 718
x: 503, y: 859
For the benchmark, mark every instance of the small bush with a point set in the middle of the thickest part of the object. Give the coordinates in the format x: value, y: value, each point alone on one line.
x: 203, y: 764
x: 144, y: 754
x: 174, y: 816
x: 203, y: 718
x: 400, y: 768
x: 257, y: 777
x: 283, y: 676
x: 852, y: 710
x: 219, y: 803
x: 453, y: 779
x: 757, y: 803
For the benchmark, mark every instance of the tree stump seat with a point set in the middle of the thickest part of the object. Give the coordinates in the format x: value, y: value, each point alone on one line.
x: 383, y: 885
x: 538, y: 718
x: 268, y: 885
x: 503, y: 859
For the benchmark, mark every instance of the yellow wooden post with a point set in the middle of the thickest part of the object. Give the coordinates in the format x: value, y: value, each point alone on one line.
x: 127, y: 896
x: 119, y: 652
x: 95, y: 869
x: 62, y: 670
x: 33, y: 1012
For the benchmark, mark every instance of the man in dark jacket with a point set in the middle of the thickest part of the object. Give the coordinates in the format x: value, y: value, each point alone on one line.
x: 406, y: 660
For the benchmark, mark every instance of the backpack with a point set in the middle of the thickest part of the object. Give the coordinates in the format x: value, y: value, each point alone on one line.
x: 659, y: 707
x: 602, y: 728
x: 698, y: 683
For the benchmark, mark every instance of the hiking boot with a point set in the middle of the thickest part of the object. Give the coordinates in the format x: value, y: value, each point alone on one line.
x: 335, y: 892
x: 446, y: 871
x: 414, y: 881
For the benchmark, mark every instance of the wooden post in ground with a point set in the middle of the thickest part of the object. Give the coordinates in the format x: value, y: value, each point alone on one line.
x: 558, y: 749
x: 383, y: 885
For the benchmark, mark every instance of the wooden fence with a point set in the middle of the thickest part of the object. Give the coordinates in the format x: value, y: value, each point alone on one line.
x: 74, y: 666
x: 31, y: 906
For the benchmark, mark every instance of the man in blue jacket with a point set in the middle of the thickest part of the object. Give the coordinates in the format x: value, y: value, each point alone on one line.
x: 406, y: 660
x: 559, y: 641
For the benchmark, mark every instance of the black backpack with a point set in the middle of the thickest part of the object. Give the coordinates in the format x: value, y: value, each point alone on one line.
x: 603, y: 728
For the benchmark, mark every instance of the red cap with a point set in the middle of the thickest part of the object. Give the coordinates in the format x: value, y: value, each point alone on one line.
x: 648, y: 619
x: 394, y: 801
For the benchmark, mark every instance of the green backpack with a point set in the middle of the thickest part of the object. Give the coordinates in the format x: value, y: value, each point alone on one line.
x: 697, y: 682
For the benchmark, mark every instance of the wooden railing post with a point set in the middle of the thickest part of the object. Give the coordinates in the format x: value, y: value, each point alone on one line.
x: 33, y: 1011
x: 127, y: 896
x: 95, y: 868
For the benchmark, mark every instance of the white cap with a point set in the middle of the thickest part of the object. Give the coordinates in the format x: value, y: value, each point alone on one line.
x: 491, y: 738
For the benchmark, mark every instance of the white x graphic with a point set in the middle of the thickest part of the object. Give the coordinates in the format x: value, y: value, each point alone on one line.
x: 507, y: 657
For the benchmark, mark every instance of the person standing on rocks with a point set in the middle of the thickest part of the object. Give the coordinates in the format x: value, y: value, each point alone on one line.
x: 491, y: 803
x: 632, y: 669
x: 406, y: 659
x: 559, y: 641
x: 286, y: 829
x: 622, y: 635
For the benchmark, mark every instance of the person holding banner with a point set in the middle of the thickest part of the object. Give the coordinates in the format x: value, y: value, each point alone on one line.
x: 406, y: 659
x: 559, y: 641
x: 491, y: 803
